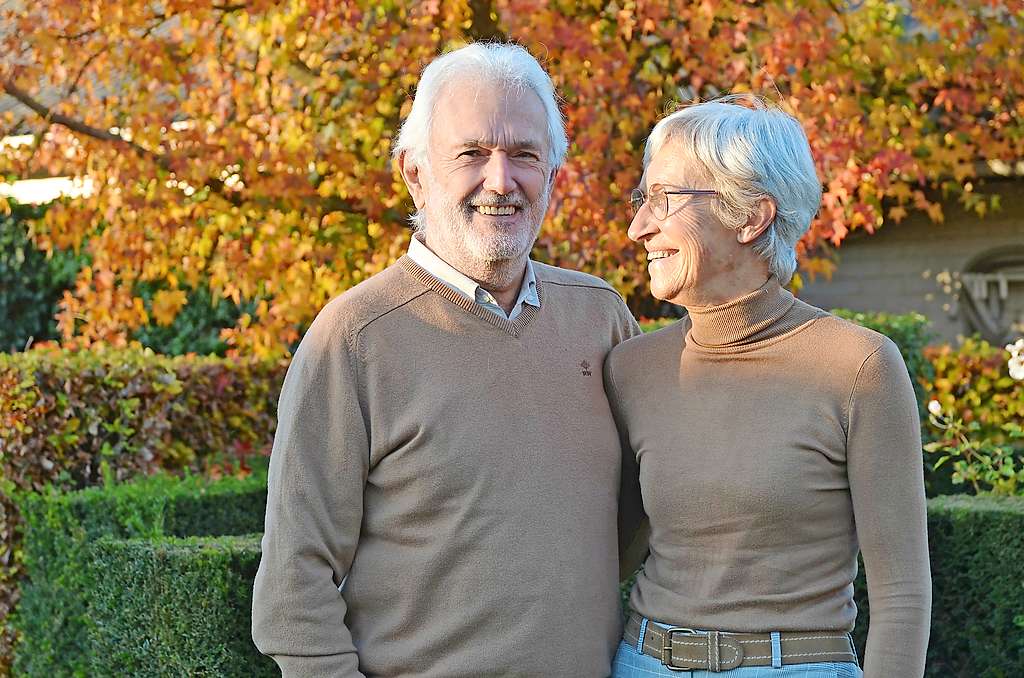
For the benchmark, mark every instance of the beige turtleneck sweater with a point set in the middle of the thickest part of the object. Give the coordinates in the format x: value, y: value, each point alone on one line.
x: 773, y: 440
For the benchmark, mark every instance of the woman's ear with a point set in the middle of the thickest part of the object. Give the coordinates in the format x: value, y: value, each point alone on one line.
x: 413, y: 178
x: 759, y: 221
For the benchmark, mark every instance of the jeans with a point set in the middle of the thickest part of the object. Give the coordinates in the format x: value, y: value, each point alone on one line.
x: 629, y: 663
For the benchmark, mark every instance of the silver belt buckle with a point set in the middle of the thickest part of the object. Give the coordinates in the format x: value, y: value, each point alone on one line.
x: 666, y: 646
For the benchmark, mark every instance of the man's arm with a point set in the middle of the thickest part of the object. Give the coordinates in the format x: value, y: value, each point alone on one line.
x: 318, y: 469
x: 633, y: 525
x: 629, y: 326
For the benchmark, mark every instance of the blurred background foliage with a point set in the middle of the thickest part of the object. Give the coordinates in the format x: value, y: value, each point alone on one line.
x: 239, y: 152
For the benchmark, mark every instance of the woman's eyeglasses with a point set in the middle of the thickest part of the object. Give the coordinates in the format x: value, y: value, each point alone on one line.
x: 657, y: 199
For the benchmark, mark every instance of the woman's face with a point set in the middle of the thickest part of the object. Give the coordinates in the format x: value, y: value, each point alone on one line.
x: 690, y: 250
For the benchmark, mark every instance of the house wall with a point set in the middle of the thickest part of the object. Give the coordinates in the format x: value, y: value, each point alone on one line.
x: 899, y: 268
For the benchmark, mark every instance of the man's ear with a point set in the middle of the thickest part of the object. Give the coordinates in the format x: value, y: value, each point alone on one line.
x: 759, y: 221
x: 413, y: 178
x: 551, y: 178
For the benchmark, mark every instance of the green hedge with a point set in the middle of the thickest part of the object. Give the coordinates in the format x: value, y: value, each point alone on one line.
x: 152, y: 602
x: 65, y: 415
x: 977, y: 546
x: 175, y: 607
x: 53, y: 617
x: 977, y: 557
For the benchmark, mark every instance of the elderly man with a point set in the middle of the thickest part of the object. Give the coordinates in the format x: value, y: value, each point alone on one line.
x: 444, y: 479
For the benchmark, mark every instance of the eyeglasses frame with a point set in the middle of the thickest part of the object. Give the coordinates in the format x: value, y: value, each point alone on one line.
x: 674, y: 191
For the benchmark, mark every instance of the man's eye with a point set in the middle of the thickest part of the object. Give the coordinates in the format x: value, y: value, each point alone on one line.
x: 470, y: 153
x: 529, y: 155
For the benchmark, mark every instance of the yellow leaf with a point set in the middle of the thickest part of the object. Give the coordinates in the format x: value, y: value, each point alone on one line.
x: 166, y: 304
x: 897, y: 213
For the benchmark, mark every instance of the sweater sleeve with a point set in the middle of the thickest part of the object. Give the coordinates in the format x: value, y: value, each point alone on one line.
x: 630, y: 327
x: 887, y: 486
x: 318, y: 468
x: 633, y: 532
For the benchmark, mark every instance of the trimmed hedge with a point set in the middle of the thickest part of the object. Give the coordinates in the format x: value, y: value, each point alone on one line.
x: 66, y: 411
x: 977, y: 546
x: 65, y: 416
x: 53, y: 617
x: 175, y: 607
x: 977, y: 557
x: 151, y: 602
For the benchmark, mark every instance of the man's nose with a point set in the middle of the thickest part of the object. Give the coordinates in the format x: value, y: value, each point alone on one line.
x: 498, y: 177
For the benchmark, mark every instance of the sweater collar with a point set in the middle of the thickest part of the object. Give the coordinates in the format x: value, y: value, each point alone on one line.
x: 753, y: 317
x: 449, y: 275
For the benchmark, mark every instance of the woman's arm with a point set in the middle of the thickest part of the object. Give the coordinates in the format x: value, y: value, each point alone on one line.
x: 885, y: 469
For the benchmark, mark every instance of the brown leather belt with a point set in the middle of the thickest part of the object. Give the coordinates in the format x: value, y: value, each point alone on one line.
x: 683, y: 649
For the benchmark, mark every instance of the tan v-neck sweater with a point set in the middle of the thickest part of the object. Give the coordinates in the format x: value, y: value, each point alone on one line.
x: 461, y: 470
x: 774, y: 439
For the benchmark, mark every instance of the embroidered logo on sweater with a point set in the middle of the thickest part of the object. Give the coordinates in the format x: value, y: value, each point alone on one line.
x: 585, y: 369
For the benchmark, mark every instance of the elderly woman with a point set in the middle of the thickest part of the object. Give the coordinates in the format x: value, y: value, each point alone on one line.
x: 772, y: 440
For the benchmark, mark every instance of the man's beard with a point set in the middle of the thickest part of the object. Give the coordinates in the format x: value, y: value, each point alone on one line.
x: 505, y: 241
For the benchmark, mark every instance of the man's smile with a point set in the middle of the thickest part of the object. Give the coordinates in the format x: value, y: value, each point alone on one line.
x: 496, y: 211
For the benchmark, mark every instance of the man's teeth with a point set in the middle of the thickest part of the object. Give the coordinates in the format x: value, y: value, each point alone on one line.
x: 660, y: 254
x: 505, y: 211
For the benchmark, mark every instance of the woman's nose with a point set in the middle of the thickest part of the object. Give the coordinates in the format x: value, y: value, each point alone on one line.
x: 642, y: 226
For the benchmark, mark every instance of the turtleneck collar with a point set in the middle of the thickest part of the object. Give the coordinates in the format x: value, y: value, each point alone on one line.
x: 760, y: 315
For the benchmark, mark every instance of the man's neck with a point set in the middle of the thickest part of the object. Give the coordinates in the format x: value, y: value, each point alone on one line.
x: 506, y: 296
x: 502, y: 279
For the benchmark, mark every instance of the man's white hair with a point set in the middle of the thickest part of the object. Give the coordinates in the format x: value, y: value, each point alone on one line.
x: 507, y: 66
x: 749, y: 150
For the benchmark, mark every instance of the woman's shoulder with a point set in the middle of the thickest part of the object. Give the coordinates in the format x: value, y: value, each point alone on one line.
x: 669, y: 338
x: 652, y: 350
x: 856, y: 340
x: 851, y: 348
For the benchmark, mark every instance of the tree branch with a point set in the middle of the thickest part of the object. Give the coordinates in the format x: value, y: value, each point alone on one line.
x: 73, y: 87
x: 74, y: 125
x: 75, y: 36
x: 51, y: 117
x: 13, y: 129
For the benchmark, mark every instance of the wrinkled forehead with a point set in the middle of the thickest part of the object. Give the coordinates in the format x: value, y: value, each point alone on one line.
x: 488, y: 114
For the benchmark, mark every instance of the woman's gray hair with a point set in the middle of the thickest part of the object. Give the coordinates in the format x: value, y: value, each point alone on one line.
x: 505, y: 65
x: 749, y: 150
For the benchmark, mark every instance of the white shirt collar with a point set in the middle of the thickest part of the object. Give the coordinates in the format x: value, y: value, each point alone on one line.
x: 460, y: 282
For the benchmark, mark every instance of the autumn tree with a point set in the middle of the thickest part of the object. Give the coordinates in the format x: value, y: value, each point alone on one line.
x: 242, y: 147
